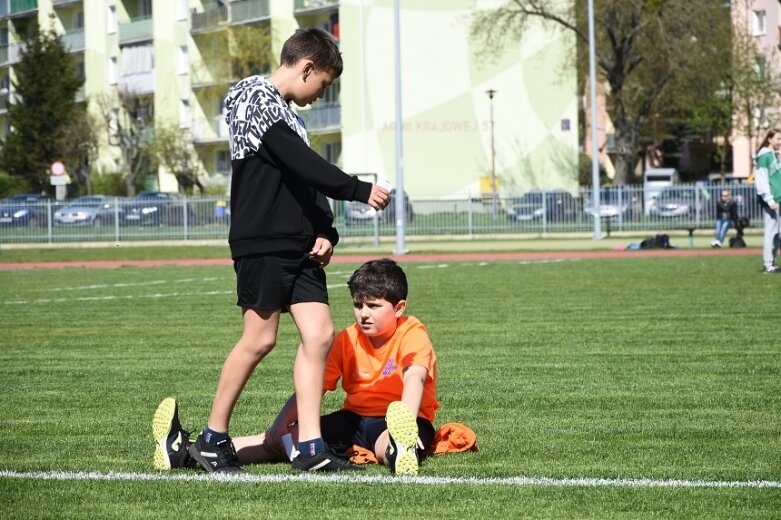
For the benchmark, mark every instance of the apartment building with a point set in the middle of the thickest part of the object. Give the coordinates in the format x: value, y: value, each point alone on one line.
x: 455, y: 135
x: 762, y: 20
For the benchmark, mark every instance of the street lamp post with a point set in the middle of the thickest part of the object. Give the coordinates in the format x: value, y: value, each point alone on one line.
x: 494, y: 200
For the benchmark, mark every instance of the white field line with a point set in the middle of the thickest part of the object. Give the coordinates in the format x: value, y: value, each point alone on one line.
x: 246, y: 478
x: 136, y: 284
x: 111, y: 297
x: 126, y: 297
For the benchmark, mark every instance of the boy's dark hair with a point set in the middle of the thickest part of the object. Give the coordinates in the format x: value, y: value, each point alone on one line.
x: 316, y: 45
x: 381, y: 278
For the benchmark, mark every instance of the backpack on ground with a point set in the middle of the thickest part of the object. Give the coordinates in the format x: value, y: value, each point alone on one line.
x: 656, y: 242
x: 737, y: 241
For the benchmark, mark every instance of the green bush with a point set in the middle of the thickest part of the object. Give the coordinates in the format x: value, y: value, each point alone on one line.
x: 11, y: 185
x: 109, y: 184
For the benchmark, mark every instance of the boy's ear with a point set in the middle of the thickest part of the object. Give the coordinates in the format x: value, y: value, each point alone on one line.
x: 400, y: 307
x: 307, y: 67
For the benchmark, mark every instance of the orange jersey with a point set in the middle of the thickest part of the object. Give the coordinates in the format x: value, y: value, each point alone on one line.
x: 373, y: 378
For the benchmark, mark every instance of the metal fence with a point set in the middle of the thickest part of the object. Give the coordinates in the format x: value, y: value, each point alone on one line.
x: 680, y: 207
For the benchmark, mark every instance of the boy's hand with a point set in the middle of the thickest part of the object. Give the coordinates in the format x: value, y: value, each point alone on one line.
x: 379, y: 197
x: 322, y: 251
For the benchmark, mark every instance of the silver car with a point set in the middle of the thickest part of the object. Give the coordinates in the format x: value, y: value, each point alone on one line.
x: 89, y: 210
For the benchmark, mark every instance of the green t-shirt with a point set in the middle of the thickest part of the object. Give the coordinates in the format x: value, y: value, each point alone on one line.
x: 767, y: 160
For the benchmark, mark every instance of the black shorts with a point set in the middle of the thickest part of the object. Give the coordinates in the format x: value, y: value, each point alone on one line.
x: 276, y: 281
x: 348, y: 428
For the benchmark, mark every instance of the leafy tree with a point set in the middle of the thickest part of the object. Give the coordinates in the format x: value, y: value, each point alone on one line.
x: 642, y: 48
x: 173, y: 149
x: 725, y: 99
x: 235, y: 52
x: 43, y: 109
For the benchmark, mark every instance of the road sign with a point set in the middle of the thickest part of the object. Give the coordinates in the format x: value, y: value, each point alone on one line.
x: 57, y: 168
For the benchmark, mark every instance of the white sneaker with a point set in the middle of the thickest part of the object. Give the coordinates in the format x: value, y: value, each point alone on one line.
x: 772, y: 269
x: 715, y: 243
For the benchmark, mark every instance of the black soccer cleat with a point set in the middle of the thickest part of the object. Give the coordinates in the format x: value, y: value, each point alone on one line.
x: 219, y: 457
x: 402, y: 454
x: 171, y: 440
x: 325, y: 461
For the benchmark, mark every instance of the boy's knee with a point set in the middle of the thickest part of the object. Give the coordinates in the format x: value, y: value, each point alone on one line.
x: 256, y: 347
x: 321, y: 341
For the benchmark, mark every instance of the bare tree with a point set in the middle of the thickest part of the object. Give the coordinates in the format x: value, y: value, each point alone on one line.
x: 642, y: 47
x: 80, y: 141
x: 173, y: 149
x: 129, y: 123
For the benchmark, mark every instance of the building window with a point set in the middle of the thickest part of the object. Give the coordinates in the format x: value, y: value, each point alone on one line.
x: 145, y: 9
x: 111, y: 19
x: 760, y: 69
x: 78, y: 20
x: 760, y: 23
x: 111, y: 73
x: 184, y: 113
x: 332, y: 151
x: 181, y: 10
x: 183, y: 61
x: 113, y: 122
x: 331, y: 95
x: 223, y: 161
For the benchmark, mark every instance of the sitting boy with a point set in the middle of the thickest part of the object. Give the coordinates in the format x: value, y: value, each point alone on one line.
x: 388, y: 369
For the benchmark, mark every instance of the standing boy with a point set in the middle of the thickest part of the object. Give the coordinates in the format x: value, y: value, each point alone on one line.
x: 281, y: 237
x: 387, y: 366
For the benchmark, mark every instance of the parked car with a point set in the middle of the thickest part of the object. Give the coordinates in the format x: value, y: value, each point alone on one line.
x: 157, y: 208
x: 30, y: 209
x: 90, y: 210
x: 615, y: 202
x: 684, y: 202
x: 557, y: 205
x: 360, y: 213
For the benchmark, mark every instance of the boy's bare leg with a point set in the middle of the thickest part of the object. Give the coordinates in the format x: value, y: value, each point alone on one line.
x: 317, y: 331
x: 257, y: 340
x: 256, y: 449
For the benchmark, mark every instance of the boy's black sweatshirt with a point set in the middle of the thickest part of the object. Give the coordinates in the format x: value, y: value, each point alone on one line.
x: 279, y: 184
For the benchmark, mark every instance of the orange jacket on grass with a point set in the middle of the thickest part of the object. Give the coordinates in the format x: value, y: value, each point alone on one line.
x: 373, y: 378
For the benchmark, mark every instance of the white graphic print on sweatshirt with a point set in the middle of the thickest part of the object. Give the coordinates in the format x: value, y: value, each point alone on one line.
x: 252, y: 106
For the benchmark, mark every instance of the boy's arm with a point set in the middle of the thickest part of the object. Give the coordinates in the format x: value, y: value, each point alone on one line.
x: 298, y: 159
x: 325, y: 221
x: 414, y: 379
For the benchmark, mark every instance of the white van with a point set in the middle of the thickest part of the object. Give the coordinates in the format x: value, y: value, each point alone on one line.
x: 654, y: 181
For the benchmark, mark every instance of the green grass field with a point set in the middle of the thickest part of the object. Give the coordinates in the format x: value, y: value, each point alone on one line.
x: 667, y: 370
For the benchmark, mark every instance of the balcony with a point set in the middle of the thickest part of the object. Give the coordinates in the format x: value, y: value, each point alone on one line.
x: 73, y: 40
x: 214, y: 131
x: 138, y: 84
x: 66, y: 3
x: 137, y: 30
x: 313, y: 6
x: 202, y: 77
x: 20, y: 8
x: 326, y: 118
x: 14, y: 53
x: 234, y: 13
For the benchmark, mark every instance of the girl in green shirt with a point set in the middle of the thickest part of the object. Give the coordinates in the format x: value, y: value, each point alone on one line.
x: 768, y: 184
